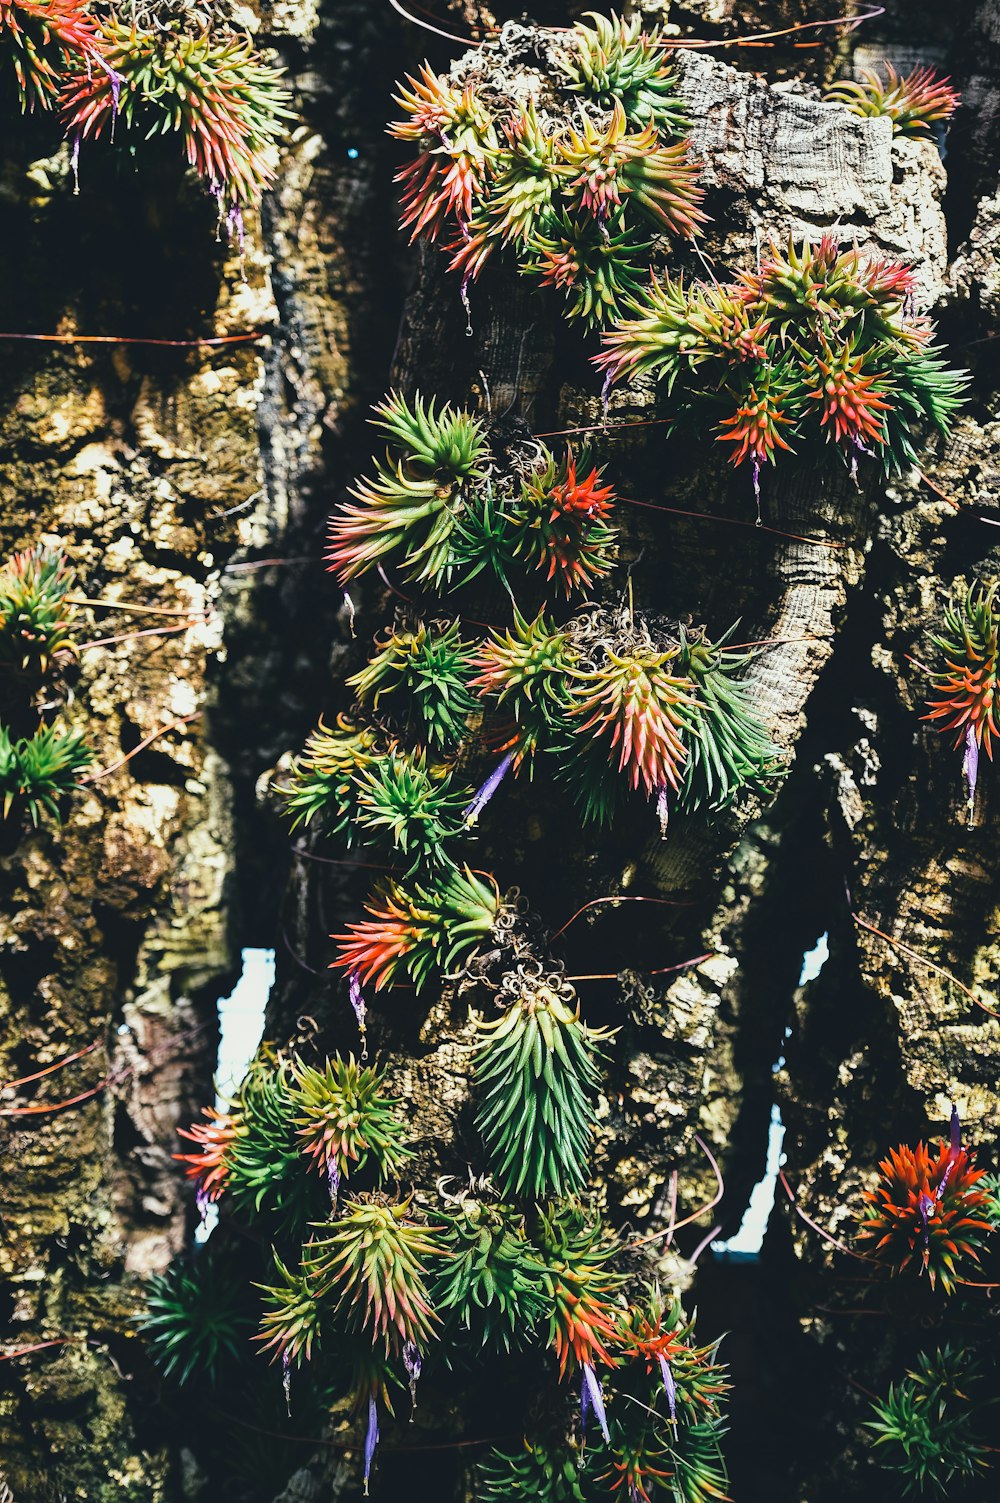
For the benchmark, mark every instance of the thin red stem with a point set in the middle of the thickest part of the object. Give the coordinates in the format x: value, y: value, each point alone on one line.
x: 173, y: 344
x: 675, y: 1226
x: 840, y: 1246
x: 10, y: 1085
x: 149, y: 631
x: 915, y: 955
x: 663, y: 970
x: 148, y: 741
x: 597, y: 902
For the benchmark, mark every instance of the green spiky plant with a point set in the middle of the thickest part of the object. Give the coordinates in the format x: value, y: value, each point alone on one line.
x: 210, y: 89
x: 729, y: 748
x: 487, y: 1283
x: 291, y: 1326
x: 412, y: 806
x: 565, y: 531
x: 372, y: 1264
x: 420, y: 673
x: 580, y: 1285
x: 599, y: 271
x: 35, y: 622
x: 408, y: 513
x: 345, y: 1119
x: 536, y: 1472
x: 524, y: 672
x: 967, y: 685
x: 614, y: 59
x: 928, y: 1429
x: 818, y: 348
x: 267, y: 1174
x: 40, y: 41
x: 456, y: 144
x: 37, y: 772
x: 414, y: 930
x: 324, y: 779
x: 914, y: 104
x: 195, y: 1319
x: 537, y: 1077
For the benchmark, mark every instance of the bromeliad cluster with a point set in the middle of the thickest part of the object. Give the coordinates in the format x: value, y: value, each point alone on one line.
x: 575, y: 204
x: 624, y: 705
x: 384, y: 1283
x: 41, y: 768
x: 931, y: 1428
x: 443, y: 508
x: 914, y: 104
x: 966, y: 684
x: 928, y: 1210
x: 40, y: 42
x: 818, y: 351
x: 209, y: 88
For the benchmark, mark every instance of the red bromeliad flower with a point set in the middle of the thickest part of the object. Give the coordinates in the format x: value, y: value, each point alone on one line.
x: 457, y: 141
x: 210, y: 1166
x: 40, y: 38
x: 639, y: 707
x: 755, y: 428
x: 851, y: 403
x: 566, y: 533
x: 612, y: 165
x: 924, y: 1207
x: 968, y: 685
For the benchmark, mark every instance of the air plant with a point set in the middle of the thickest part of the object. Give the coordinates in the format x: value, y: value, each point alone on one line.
x: 414, y: 930
x: 209, y: 1167
x: 324, y: 779
x: 818, y: 347
x: 927, y: 1426
x: 657, y: 1336
x: 523, y: 193
x: 194, y: 1319
x: 488, y: 1280
x: 411, y: 805
x: 927, y: 1208
x: 536, y: 1472
x: 608, y: 167
x: 411, y: 507
x: 966, y: 688
x: 729, y: 748
x: 599, y: 268
x: 215, y: 92
x: 580, y: 1286
x: 35, y: 621
x: 40, y: 770
x: 616, y: 61
x: 537, y: 1078
x: 371, y: 1262
x: 640, y: 710
x: 524, y: 671
x: 344, y: 1119
x: 420, y: 672
x: 456, y: 141
x: 266, y: 1169
x: 914, y: 104
x: 292, y: 1322
x: 565, y: 529
x: 40, y: 40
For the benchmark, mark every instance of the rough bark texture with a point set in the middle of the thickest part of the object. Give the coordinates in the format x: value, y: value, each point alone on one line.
x: 122, y: 927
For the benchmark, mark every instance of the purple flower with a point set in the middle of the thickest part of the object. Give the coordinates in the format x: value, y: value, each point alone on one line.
x: 670, y: 1386
x: 371, y: 1439
x: 286, y: 1378
x: 925, y: 1205
x: 414, y: 1364
x: 970, y: 768
x: 663, y: 809
x: 955, y: 1148
x: 472, y: 812
x: 357, y: 997
x: 592, y: 1389
x: 333, y: 1180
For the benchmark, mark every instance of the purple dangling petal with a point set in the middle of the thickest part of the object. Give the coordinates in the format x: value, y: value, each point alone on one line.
x: 286, y: 1379
x: 414, y: 1364
x: 670, y: 1387
x: 586, y: 1405
x: 970, y: 768
x: 483, y: 795
x: 333, y: 1180
x: 755, y: 474
x: 357, y: 997
x: 663, y: 809
x: 954, y: 1149
x: 593, y: 1389
x: 925, y: 1205
x: 371, y: 1439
